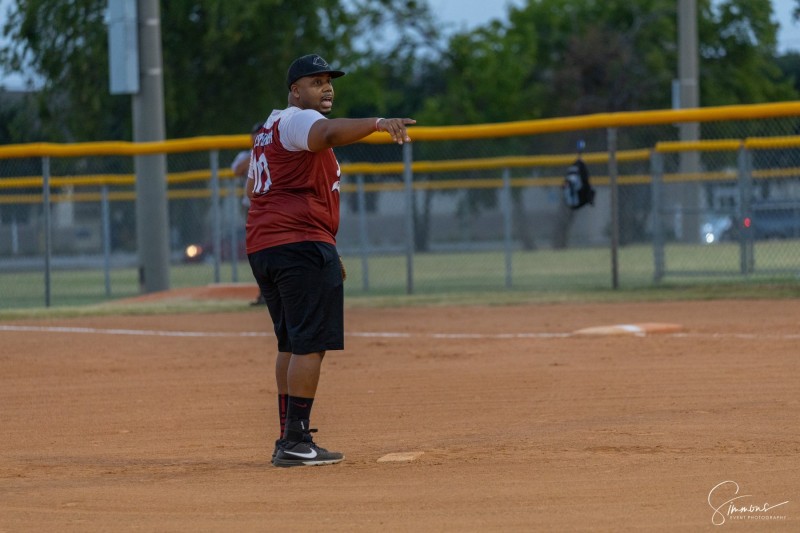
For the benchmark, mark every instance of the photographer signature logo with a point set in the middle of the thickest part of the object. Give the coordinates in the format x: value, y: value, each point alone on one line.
x: 726, y: 502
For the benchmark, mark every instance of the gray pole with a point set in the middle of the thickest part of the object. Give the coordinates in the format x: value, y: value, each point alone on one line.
x: 152, y: 220
x: 216, y: 224
x: 746, y: 257
x: 689, y: 83
x: 408, y: 180
x: 48, y: 229
x: 687, y: 62
x: 362, y: 231
x: 233, y: 229
x: 507, y: 225
x: 105, y: 217
x: 656, y: 191
x: 612, y: 174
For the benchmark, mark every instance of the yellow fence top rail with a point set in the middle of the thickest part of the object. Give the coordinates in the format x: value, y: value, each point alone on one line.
x: 720, y: 145
x: 194, y: 144
x: 599, y: 120
x: 424, y: 133
x: 772, y: 143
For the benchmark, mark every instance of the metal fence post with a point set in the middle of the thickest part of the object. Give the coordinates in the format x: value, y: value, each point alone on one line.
x: 507, y: 224
x: 105, y: 216
x: 216, y: 230
x: 362, y: 231
x: 408, y: 180
x: 233, y: 215
x: 745, y: 178
x: 612, y: 174
x: 656, y: 195
x: 48, y: 244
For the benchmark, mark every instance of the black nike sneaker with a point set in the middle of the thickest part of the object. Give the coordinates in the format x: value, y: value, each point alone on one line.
x: 278, y: 444
x: 304, y: 453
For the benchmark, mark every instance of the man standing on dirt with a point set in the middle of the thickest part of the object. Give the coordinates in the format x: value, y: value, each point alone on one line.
x: 293, y: 185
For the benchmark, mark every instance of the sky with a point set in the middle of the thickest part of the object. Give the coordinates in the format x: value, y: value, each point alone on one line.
x: 467, y: 14
x: 471, y: 13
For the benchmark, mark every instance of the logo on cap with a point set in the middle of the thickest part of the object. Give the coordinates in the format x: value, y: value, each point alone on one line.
x: 309, y: 65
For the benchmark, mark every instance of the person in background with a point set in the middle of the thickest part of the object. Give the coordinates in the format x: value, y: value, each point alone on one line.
x: 240, y: 166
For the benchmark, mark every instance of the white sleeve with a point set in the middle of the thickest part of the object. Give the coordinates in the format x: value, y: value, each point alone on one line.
x: 295, y: 128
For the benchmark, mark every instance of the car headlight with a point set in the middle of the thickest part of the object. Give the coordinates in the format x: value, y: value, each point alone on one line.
x: 193, y: 251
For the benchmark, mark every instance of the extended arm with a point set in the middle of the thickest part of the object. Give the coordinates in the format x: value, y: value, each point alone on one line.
x: 340, y: 131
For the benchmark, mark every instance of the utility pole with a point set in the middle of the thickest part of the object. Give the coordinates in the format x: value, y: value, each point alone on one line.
x: 689, y: 97
x: 152, y: 220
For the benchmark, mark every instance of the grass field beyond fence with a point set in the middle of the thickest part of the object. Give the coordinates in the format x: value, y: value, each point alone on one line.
x: 548, y: 274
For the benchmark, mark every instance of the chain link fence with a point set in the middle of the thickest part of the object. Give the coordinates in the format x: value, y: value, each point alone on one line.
x: 450, y: 213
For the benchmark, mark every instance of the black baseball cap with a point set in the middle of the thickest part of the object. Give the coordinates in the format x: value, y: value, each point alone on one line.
x: 309, y: 65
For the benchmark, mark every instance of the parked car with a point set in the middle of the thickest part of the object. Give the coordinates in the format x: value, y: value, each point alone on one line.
x: 773, y: 220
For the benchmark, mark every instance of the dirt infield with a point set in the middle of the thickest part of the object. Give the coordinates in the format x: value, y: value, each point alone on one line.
x: 510, y: 421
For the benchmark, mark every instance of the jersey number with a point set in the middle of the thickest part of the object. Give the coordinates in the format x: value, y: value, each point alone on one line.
x: 259, y: 171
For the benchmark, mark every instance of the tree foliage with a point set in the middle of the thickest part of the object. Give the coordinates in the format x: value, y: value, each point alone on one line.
x: 738, y: 47
x: 225, y: 60
x: 65, y: 44
x: 572, y: 57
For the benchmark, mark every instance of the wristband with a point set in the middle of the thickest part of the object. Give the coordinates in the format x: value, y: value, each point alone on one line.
x: 376, y: 124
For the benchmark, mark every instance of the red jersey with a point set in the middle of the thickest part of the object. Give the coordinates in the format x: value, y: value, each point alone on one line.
x: 296, y: 191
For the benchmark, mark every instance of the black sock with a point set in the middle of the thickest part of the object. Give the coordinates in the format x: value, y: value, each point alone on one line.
x: 299, y: 408
x: 283, y: 400
x: 297, y: 415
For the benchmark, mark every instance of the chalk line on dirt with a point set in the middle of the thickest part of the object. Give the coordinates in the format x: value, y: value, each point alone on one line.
x: 366, y: 334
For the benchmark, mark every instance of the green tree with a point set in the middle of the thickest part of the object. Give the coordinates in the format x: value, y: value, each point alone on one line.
x: 790, y: 66
x: 396, y: 48
x: 738, y: 62
x: 64, y: 44
x: 224, y: 60
x: 571, y: 57
x: 18, y: 118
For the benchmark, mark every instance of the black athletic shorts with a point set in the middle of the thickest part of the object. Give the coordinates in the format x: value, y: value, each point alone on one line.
x: 302, y: 285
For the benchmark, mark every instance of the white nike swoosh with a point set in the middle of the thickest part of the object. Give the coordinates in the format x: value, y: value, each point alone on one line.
x: 309, y: 455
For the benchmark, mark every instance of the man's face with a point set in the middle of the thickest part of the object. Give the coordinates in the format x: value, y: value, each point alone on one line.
x: 315, y: 92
